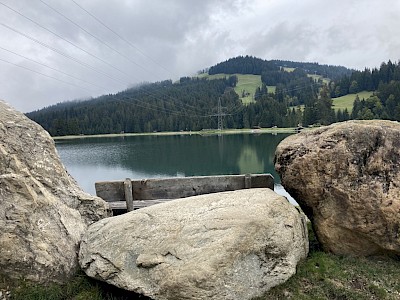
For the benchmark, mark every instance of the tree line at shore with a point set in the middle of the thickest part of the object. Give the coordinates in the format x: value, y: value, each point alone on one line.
x: 195, y: 103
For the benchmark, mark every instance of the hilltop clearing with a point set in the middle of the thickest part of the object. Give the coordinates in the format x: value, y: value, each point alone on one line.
x: 246, y: 85
x: 347, y: 101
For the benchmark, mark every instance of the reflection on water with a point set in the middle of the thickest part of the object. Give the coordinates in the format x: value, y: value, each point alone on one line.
x: 103, y: 159
x: 249, y: 162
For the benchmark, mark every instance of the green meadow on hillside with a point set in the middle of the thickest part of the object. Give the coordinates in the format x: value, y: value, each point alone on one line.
x: 245, y: 87
x: 313, y: 76
x: 344, y: 101
x: 348, y: 100
x: 248, y: 83
x: 288, y: 69
x: 318, y: 77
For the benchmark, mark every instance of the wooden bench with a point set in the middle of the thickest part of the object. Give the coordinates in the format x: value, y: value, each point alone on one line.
x: 134, y: 194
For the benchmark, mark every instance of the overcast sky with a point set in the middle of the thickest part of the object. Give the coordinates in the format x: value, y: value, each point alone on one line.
x: 57, y: 50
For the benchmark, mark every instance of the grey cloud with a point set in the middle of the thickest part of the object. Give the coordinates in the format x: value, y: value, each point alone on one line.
x: 288, y: 41
x: 178, y: 37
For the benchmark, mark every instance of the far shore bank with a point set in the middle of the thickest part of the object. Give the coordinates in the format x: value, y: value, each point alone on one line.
x: 201, y: 132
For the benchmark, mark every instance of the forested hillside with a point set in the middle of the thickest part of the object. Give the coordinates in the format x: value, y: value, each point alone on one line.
x: 162, y: 106
x: 244, y: 65
x: 384, y: 82
x: 257, y: 66
x: 326, y: 71
x: 367, y: 80
x: 194, y: 103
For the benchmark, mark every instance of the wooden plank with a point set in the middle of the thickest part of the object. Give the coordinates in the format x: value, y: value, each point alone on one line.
x: 262, y: 181
x: 136, y: 203
x: 128, y: 194
x: 110, y: 190
x: 185, y: 187
x: 117, y: 205
x: 192, y: 186
x: 172, y: 188
x: 247, y: 181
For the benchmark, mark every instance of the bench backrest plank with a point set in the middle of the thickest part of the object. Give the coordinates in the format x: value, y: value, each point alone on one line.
x: 181, y: 187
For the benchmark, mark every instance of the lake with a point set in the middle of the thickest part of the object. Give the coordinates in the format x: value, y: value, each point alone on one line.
x: 158, y: 156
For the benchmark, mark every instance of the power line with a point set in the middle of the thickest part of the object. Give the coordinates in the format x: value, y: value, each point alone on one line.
x: 121, y: 37
x: 219, y: 115
x: 185, y: 112
x: 155, y: 108
x: 148, y: 105
x: 65, y: 40
x: 66, y: 55
x: 54, y: 69
x: 97, y: 38
x: 71, y: 58
x: 305, y: 86
x: 236, y: 111
x: 61, y: 53
x: 69, y: 83
x: 71, y: 42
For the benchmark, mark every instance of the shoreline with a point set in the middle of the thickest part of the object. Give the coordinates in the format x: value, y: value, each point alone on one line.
x: 168, y: 133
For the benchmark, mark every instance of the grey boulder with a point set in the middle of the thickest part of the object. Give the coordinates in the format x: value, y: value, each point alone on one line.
x: 43, y: 212
x: 346, y: 178
x: 230, y: 245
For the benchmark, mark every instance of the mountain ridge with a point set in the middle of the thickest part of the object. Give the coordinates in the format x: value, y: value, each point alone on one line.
x: 289, y: 95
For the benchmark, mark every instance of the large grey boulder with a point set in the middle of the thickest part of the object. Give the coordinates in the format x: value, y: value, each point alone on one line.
x: 346, y: 178
x: 43, y: 212
x: 230, y: 245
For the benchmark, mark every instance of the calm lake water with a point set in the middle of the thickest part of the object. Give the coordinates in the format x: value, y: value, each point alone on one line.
x: 101, y: 159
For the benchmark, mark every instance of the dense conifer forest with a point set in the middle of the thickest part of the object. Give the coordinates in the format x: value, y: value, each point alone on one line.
x: 257, y: 66
x: 302, y: 95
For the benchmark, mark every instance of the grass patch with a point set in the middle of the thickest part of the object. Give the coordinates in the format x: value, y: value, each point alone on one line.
x: 301, y: 107
x: 286, y: 69
x: 320, y: 276
x: 348, y: 100
x: 168, y: 133
x: 80, y: 287
x: 275, y: 130
x: 327, y: 276
x: 215, y: 76
x: 318, y: 77
x: 271, y: 88
x: 247, y: 84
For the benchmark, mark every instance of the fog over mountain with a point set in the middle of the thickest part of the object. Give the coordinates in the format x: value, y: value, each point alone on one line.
x: 52, y: 51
